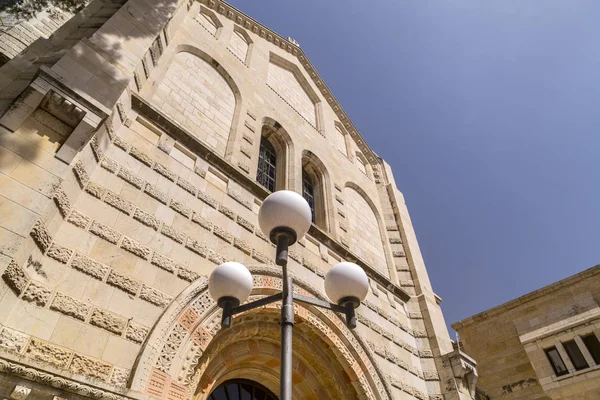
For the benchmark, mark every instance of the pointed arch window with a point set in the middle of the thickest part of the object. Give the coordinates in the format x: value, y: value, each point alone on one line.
x: 308, y: 193
x: 267, y: 165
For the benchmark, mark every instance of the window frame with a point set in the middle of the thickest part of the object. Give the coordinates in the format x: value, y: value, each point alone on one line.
x: 547, y: 351
x: 266, y: 170
x: 594, y: 352
x: 575, y: 355
x: 308, y: 192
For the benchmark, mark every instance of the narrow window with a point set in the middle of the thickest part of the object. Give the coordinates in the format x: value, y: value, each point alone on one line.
x: 575, y: 355
x: 593, y: 346
x: 267, y: 161
x: 556, y: 361
x: 308, y: 193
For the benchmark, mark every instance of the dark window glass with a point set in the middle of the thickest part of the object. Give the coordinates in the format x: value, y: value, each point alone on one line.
x: 241, y: 389
x: 593, y: 346
x: 267, y: 162
x: 556, y: 361
x: 308, y: 193
x: 575, y: 355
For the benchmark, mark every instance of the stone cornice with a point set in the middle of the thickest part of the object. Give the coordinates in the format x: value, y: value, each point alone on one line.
x: 257, y: 28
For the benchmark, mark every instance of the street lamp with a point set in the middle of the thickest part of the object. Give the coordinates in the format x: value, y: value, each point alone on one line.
x: 285, y: 217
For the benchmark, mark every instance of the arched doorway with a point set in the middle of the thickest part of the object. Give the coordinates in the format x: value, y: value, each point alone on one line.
x: 241, y: 389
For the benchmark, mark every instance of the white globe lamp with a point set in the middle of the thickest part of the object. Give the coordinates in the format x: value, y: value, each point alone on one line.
x: 346, y: 282
x: 284, y: 212
x: 230, y: 281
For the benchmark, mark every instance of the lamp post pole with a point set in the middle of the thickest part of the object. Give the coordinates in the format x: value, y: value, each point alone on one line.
x: 230, y: 283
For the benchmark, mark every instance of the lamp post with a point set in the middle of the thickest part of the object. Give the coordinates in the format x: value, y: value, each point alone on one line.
x: 285, y: 217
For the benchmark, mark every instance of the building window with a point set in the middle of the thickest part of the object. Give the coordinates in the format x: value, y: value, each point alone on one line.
x: 593, y: 346
x: 267, y: 164
x: 308, y: 193
x: 241, y: 390
x: 556, y: 361
x: 575, y: 355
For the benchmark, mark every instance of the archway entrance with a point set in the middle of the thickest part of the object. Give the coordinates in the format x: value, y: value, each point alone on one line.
x: 241, y: 389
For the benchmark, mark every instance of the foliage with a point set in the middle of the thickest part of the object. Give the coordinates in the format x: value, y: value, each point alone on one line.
x: 29, y: 8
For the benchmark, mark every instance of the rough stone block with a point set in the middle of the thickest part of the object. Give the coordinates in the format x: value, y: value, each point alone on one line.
x: 163, y: 262
x: 110, y: 165
x: 40, y: 236
x: 15, y: 277
x: 227, y: 212
x: 136, y: 332
x: 156, y: 193
x: 215, y: 257
x: 95, y: 145
x: 196, y: 247
x: 108, y: 321
x: 245, y: 224
x: 70, y: 306
x: 84, y: 365
x: 141, y: 156
x: 37, y: 293
x: 59, y: 253
x: 243, y: 246
x: 136, y: 248
x: 146, y: 219
x: 131, y: 178
x: 89, y: 266
x: 164, y: 171
x: 122, y: 144
x: 223, y: 234
x: 80, y: 173
x: 173, y: 234
x: 155, y: 296
x: 62, y: 201
x: 260, y: 257
x: 79, y: 220
x: 12, y: 340
x: 95, y: 190
x: 181, y: 208
x: 119, y: 203
x: 105, y: 232
x: 119, y: 377
x: 207, y: 199
x: 48, y: 353
x: 123, y: 282
x: 206, y: 224
x: 187, y: 274
x: 187, y: 186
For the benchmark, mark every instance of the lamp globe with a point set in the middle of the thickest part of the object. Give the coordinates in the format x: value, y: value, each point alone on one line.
x: 230, y: 280
x: 284, y: 211
x: 345, y: 281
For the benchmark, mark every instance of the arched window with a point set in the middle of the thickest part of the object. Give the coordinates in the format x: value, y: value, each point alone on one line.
x: 241, y: 389
x: 308, y: 193
x: 267, y: 165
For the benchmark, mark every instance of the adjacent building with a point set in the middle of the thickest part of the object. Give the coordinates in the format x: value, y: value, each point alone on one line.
x: 543, y: 345
x: 136, y: 145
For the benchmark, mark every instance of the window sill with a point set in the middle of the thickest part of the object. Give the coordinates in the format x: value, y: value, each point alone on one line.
x: 573, y: 373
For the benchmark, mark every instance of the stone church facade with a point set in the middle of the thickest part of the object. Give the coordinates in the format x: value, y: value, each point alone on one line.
x: 136, y: 145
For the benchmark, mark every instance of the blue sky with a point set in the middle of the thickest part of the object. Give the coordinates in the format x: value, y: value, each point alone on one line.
x: 487, y: 113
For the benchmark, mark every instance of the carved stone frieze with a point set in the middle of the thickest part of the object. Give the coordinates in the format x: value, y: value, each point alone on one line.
x: 118, y: 202
x: 196, y: 247
x: 91, y: 367
x: 20, y: 392
x: 59, y: 253
x: 89, y: 266
x: 140, y: 156
x: 108, y: 321
x: 146, y: 218
x: 134, y: 247
x: 173, y: 233
x: 110, y: 165
x: 154, y: 192
x: 95, y: 190
x: 243, y: 246
x: 130, y: 177
x: 155, y: 296
x: 80, y: 173
x: 48, y: 353
x: 163, y: 262
x: 206, y: 224
x: 105, y: 232
x: 12, y: 340
x: 207, y: 199
x: 62, y: 201
x: 15, y: 277
x: 223, y: 234
x: 40, y: 236
x: 187, y: 186
x: 37, y: 293
x: 123, y: 282
x: 165, y: 171
x: 136, y: 332
x: 69, y: 306
x: 79, y: 220
x: 181, y: 208
x: 187, y: 274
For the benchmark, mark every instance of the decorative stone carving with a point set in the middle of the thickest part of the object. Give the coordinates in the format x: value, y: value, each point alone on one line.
x: 295, y: 256
x: 108, y: 321
x: 15, y: 277
x: 119, y: 377
x: 48, y: 353
x: 120, y: 143
x: 425, y: 353
x: 227, y: 212
x: 96, y: 148
x: 79, y: 220
x: 245, y: 224
x: 59, y: 253
x: 207, y: 199
x: 105, y: 232
x: 156, y: 193
x: 134, y: 247
x: 40, y: 235
x: 155, y: 296
x: 187, y: 274
x: 196, y: 247
x: 146, y: 219
x: 12, y: 340
x: 260, y: 257
x: 95, y: 190
x: 70, y: 306
x: 261, y: 235
x: 20, y: 392
x: 136, y: 332
x: 141, y: 156
x: 243, y: 246
x: 399, y: 253
x: 80, y: 173
x: 237, y: 197
x: 110, y: 165
x: 37, y: 293
x: 187, y: 186
x: 165, y: 146
x: 163, y: 262
x: 181, y: 208
x: 164, y: 171
x: 431, y: 375
x: 395, y: 240
x: 123, y: 282
x: 119, y: 203
x: 130, y: 177
x: 62, y: 201
x: 215, y: 257
x: 88, y: 366
x: 206, y: 224
x: 89, y: 266
x: 223, y: 234
x: 172, y: 233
